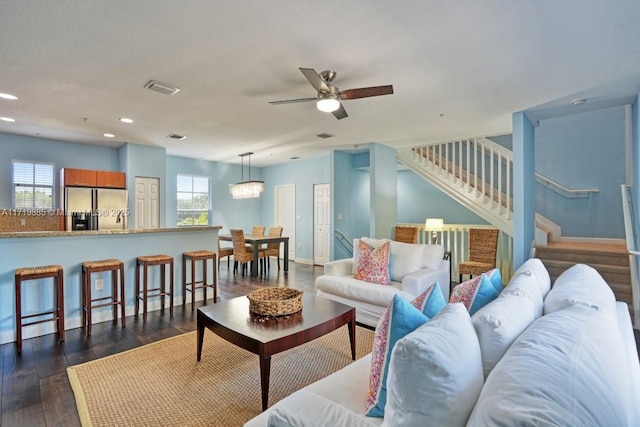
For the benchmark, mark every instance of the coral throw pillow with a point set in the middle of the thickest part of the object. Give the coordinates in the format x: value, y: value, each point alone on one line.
x: 373, y: 264
x: 475, y: 293
x: 399, y: 319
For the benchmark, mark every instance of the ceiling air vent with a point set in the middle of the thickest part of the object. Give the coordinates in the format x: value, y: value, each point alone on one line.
x: 162, y: 87
x: 324, y: 135
x: 176, y: 136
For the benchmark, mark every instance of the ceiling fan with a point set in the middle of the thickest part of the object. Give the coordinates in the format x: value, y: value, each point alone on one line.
x: 329, y: 97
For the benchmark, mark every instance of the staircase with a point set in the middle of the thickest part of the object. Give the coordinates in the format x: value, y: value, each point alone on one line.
x: 477, y: 173
x: 611, y: 261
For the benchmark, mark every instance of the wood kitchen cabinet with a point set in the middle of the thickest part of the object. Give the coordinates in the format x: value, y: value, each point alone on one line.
x: 70, y: 177
x: 78, y: 177
x: 106, y: 179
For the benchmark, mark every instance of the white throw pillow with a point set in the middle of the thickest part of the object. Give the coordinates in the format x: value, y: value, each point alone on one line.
x: 405, y: 258
x: 567, y: 369
x: 435, y: 375
x: 526, y: 283
x: 499, y: 323
x: 580, y: 284
x: 535, y: 267
x: 432, y: 257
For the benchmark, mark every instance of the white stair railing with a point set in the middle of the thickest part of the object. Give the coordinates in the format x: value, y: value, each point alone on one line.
x: 631, y: 235
x: 475, y: 171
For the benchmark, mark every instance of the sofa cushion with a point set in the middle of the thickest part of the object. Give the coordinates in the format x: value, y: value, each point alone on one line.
x: 435, y: 375
x: 373, y: 263
x: 353, y: 289
x: 499, y: 323
x: 580, y: 284
x: 527, y: 284
x: 400, y: 318
x: 566, y: 369
x: 307, y: 409
x: 432, y: 256
x: 405, y: 258
x: 474, y: 293
x: 534, y: 267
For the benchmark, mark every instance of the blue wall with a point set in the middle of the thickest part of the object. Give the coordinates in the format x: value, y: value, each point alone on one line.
x: 62, y: 154
x: 583, y: 151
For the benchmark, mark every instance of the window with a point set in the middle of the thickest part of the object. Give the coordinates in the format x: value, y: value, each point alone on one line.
x: 193, y: 200
x: 32, y: 185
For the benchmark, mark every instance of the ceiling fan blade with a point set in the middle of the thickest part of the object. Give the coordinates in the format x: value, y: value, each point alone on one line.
x: 292, y: 101
x: 315, y: 79
x: 340, y: 113
x: 365, y: 92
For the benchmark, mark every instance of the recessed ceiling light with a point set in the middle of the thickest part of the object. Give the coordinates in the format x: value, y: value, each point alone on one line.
x: 108, y: 135
x: 7, y: 119
x: 8, y: 96
x: 578, y: 101
x: 126, y: 120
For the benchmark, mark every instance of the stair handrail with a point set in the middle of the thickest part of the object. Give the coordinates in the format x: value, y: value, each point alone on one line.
x: 345, y: 242
x: 565, y: 192
x: 631, y: 235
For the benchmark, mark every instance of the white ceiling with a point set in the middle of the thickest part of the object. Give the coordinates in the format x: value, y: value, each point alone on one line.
x: 459, y: 69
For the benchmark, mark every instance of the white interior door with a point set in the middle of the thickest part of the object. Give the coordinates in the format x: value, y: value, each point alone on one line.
x: 321, y: 223
x: 285, y: 215
x: 147, y: 202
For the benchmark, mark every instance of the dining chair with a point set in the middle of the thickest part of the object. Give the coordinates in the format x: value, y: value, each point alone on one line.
x: 273, y: 249
x: 242, y: 254
x: 224, y: 251
x: 483, y: 247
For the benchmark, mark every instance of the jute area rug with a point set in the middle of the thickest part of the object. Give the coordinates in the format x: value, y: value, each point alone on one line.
x: 161, y: 384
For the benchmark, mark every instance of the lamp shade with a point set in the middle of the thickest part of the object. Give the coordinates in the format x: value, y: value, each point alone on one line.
x: 434, y: 224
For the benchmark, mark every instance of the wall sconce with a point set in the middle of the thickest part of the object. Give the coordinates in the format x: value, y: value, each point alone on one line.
x: 434, y: 225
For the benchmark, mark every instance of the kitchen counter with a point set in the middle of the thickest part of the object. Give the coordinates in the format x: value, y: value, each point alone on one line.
x: 71, y: 248
x: 23, y: 234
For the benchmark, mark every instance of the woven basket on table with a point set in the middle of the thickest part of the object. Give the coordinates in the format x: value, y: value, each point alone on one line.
x: 275, y: 301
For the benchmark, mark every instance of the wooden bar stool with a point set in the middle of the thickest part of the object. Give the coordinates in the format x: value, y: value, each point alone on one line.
x: 32, y: 273
x: 194, y: 257
x: 116, y: 267
x: 161, y: 291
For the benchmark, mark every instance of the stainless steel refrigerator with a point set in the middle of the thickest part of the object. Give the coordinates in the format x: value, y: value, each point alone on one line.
x: 95, y: 208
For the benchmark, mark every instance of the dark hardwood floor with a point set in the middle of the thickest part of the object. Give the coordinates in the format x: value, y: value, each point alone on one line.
x: 35, y: 387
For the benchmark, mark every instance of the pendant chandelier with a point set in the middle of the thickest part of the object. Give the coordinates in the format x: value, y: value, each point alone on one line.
x: 246, y: 189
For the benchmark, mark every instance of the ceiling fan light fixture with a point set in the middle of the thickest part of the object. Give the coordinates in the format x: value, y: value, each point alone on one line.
x: 327, y: 102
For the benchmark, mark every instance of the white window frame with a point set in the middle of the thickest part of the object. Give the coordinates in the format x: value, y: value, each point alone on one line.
x: 33, y: 184
x: 194, y: 211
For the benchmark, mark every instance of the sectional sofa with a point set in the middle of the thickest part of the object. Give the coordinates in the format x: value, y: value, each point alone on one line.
x: 564, y: 356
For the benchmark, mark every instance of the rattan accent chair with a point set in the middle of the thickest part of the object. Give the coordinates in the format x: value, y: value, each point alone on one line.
x: 273, y: 249
x: 406, y: 234
x: 483, y: 246
x: 242, y: 254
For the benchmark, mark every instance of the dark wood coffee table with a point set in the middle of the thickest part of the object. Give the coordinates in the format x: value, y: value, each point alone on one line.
x: 232, y: 321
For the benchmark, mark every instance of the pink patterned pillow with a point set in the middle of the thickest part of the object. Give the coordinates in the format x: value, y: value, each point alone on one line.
x: 475, y: 293
x: 373, y: 264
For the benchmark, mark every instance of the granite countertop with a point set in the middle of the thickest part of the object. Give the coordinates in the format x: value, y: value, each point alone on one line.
x: 15, y: 234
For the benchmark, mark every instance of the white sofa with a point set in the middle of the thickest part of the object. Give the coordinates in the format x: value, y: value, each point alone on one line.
x: 562, y: 357
x: 413, y: 268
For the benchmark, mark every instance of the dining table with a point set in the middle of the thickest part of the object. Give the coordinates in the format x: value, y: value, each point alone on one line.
x: 257, y: 240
